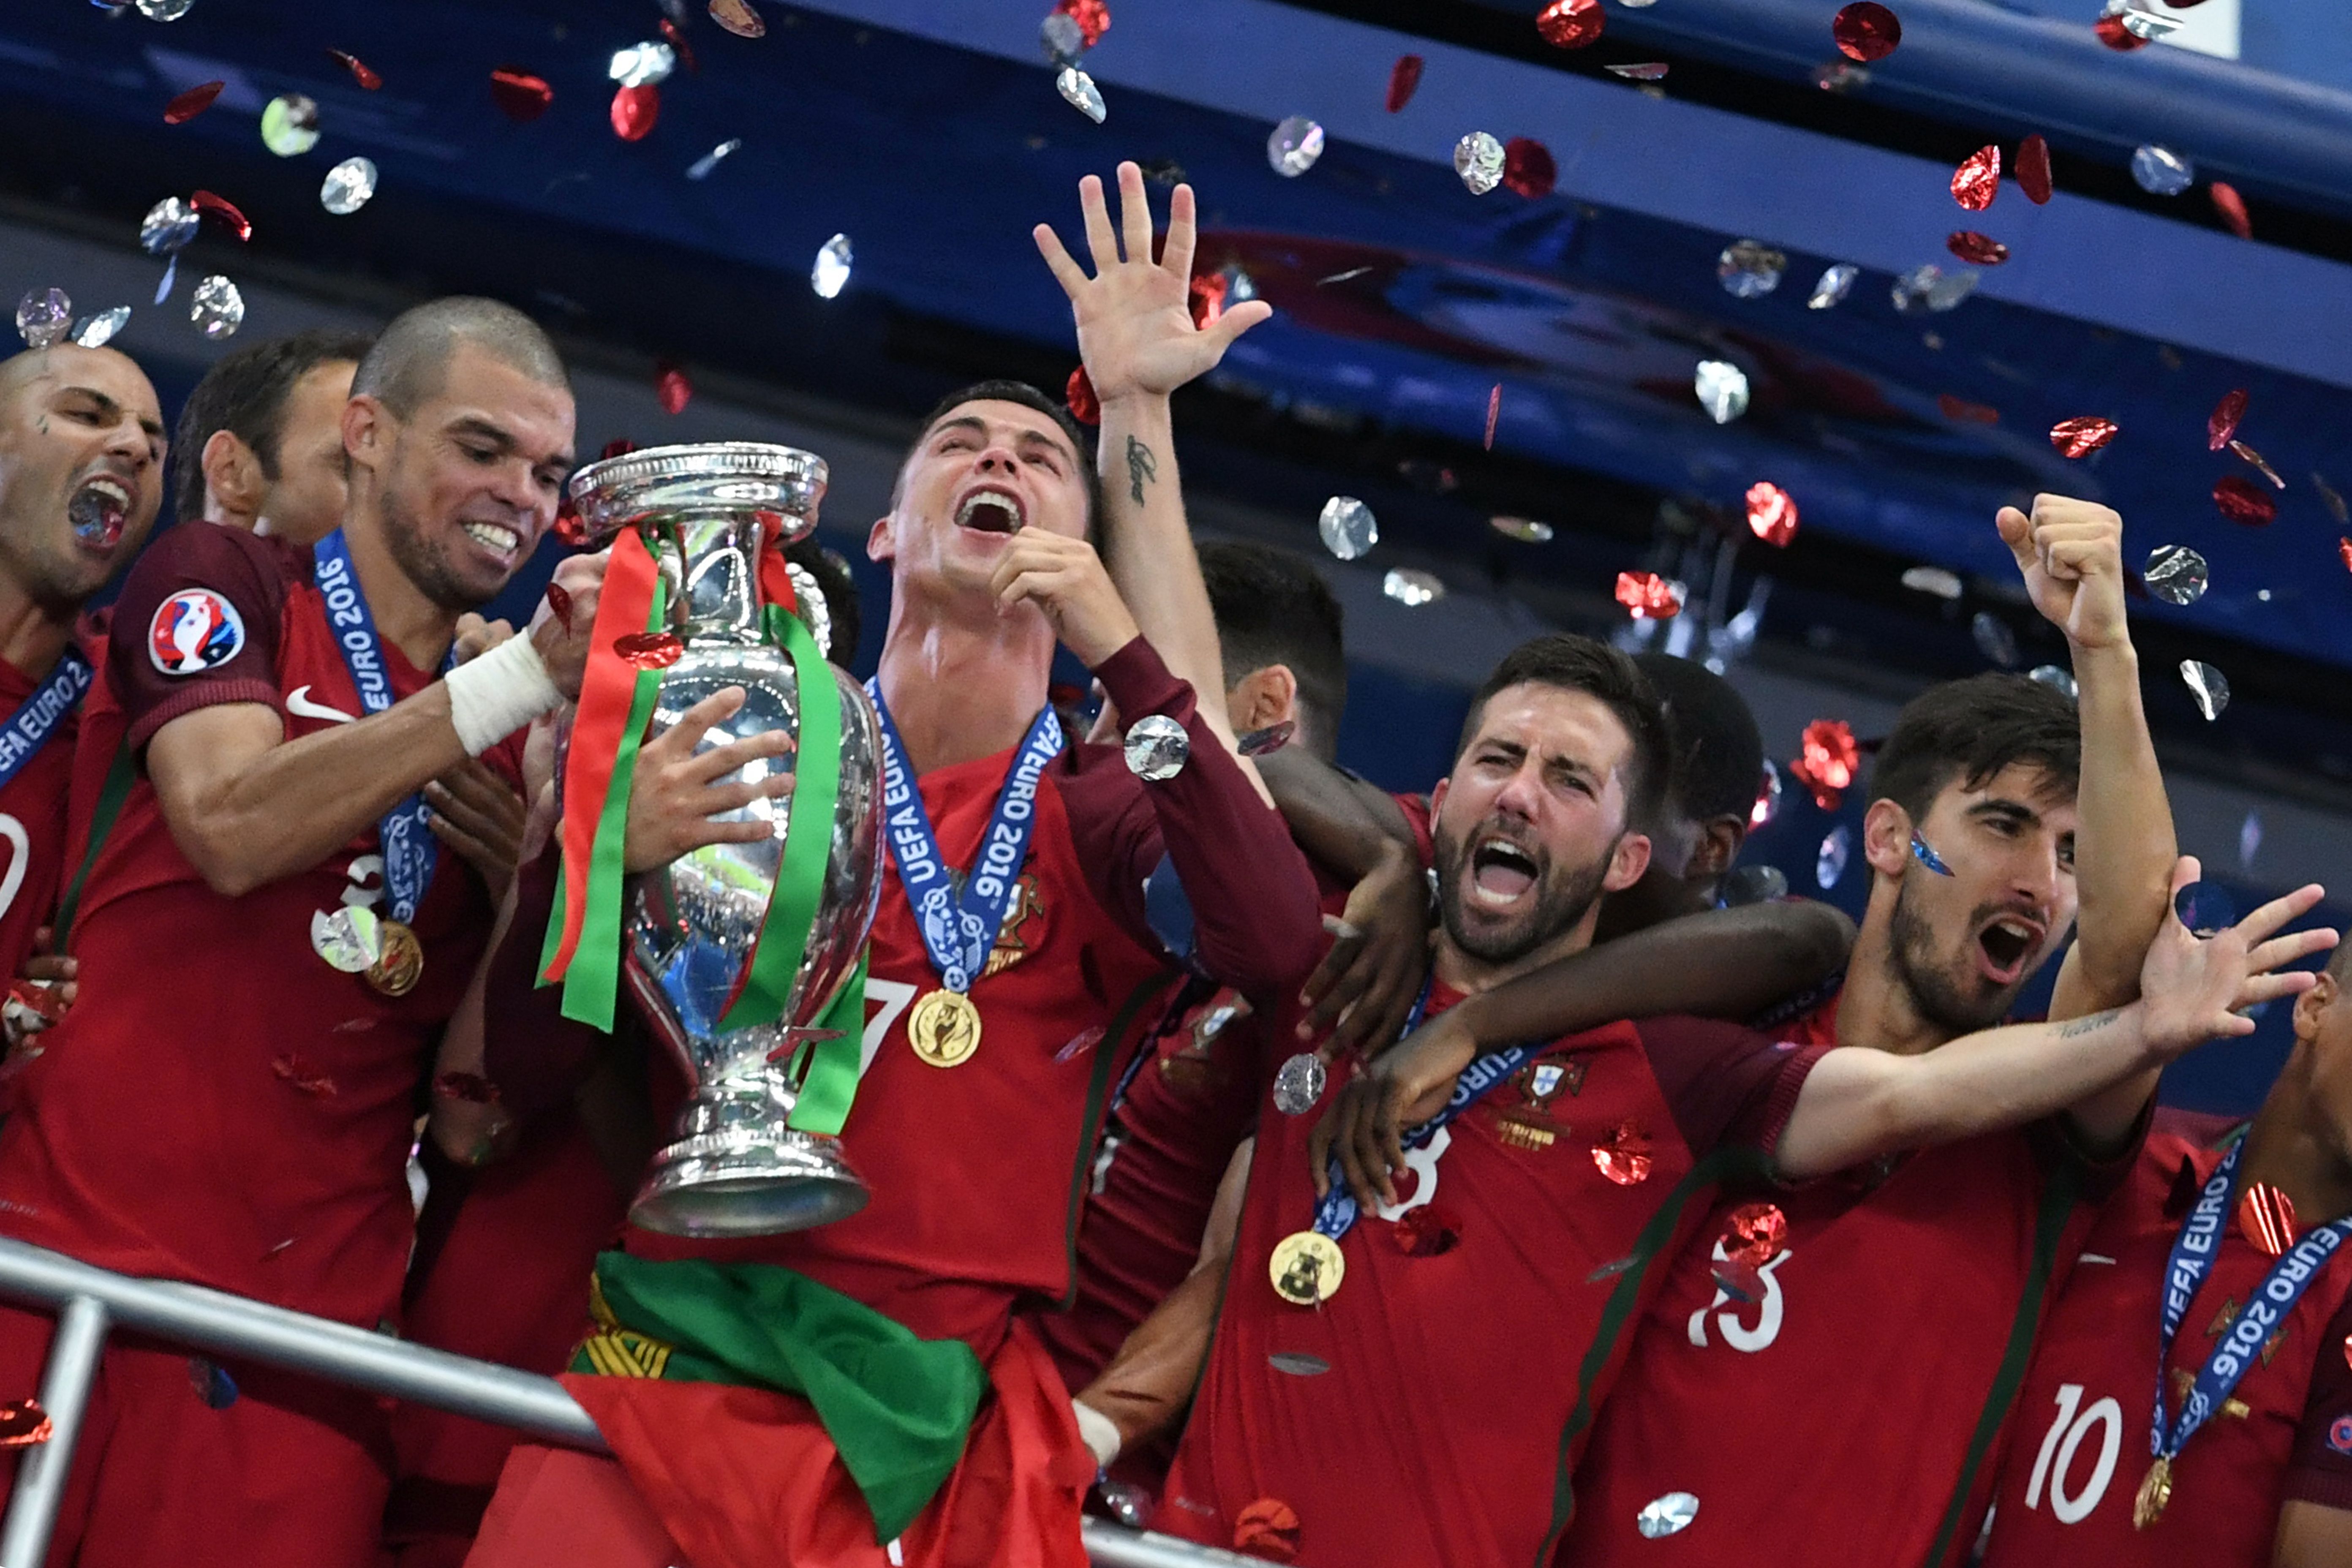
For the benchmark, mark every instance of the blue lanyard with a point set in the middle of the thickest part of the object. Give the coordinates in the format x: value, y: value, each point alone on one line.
x: 960, y: 926
x: 2193, y: 1252
x: 1337, y: 1214
x: 410, y: 851
x: 37, y: 719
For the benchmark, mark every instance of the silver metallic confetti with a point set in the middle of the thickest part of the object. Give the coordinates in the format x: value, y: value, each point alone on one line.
x: 97, y: 332
x: 701, y: 167
x: 2175, y: 574
x: 1347, y: 527
x: 1994, y: 639
x: 642, y: 64
x: 2249, y: 840
x: 1836, y: 282
x: 2249, y: 455
x: 1645, y: 71
x: 831, y: 273
x: 1722, y: 389
x: 216, y: 307
x: 1747, y: 885
x: 170, y: 276
x: 2057, y: 679
x: 168, y: 228
x: 1667, y: 1516
x: 1412, y: 589
x: 2142, y: 23
x: 290, y: 124
x: 349, y: 186
x: 350, y: 939
x: 1829, y: 864
x: 165, y: 10
x: 1064, y: 41
x: 1298, y: 1363
x: 2161, y: 171
x: 1273, y: 737
x: 1298, y: 1084
x: 1525, y: 530
x: 1929, y: 287
x: 1157, y: 748
x: 1478, y: 159
x: 1294, y: 146
x: 1079, y: 91
x: 2332, y: 499
x: 2207, y: 685
x: 44, y: 316
x: 1934, y: 580
x: 1750, y: 269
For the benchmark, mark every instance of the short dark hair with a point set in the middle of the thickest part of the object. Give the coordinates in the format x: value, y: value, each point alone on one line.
x: 1272, y: 607
x: 245, y: 394
x: 1719, y: 751
x: 1579, y: 664
x: 410, y: 361
x: 1965, y: 732
x: 1028, y: 396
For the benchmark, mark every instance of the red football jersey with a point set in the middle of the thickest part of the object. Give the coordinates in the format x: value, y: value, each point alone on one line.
x: 1430, y: 1411
x: 2081, y: 1448
x: 1849, y: 1415
x: 220, y: 1105
x: 978, y: 1171
x: 32, y: 827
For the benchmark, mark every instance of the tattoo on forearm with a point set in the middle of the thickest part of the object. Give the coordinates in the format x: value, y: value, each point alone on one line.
x: 2073, y: 1026
x: 1141, y: 468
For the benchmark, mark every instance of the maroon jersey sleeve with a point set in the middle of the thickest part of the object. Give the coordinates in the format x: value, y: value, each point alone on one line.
x: 1725, y: 1084
x: 535, y: 1055
x: 2321, y: 1468
x: 198, y: 624
x: 1257, y: 925
x: 1423, y: 824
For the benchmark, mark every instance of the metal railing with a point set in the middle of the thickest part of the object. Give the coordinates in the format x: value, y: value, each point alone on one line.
x: 90, y: 1302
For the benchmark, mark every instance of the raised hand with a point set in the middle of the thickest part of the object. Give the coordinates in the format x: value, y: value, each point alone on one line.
x: 675, y: 791
x: 481, y: 816
x: 1064, y: 578
x: 562, y: 640
x: 1365, y: 1126
x: 1363, y: 989
x: 1134, y: 315
x: 2194, y: 991
x: 2071, y: 554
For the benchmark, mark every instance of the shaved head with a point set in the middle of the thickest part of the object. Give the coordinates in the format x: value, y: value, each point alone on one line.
x: 410, y: 362
x: 81, y: 457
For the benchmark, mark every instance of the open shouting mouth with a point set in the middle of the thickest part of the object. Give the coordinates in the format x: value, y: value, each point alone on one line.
x: 988, y: 510
x: 98, y: 511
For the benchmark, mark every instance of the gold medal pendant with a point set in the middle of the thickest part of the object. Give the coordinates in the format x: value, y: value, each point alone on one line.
x: 2154, y: 1493
x: 400, y: 960
x: 944, y: 1028
x: 1307, y: 1267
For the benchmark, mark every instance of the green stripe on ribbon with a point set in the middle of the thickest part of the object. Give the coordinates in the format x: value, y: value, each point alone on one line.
x: 830, y: 1083
x: 120, y: 775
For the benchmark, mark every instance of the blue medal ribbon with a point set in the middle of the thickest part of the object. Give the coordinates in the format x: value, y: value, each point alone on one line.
x: 37, y: 719
x: 1337, y: 1212
x: 959, y: 925
x: 2193, y: 1254
x: 410, y: 851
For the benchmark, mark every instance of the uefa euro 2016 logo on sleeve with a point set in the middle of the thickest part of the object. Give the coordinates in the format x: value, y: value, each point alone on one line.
x: 194, y: 630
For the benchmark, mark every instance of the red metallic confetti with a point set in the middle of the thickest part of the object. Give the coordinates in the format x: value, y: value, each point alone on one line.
x: 1623, y: 1155
x: 2266, y: 1216
x: 1493, y: 412
x: 1866, y: 31
x: 191, y: 103
x: 1569, y: 24
x: 1961, y: 411
x: 2222, y: 422
x: 2116, y: 37
x: 1830, y: 756
x: 2243, y: 501
x: 618, y: 447
x: 635, y: 110
x: 2344, y: 553
x: 1648, y: 596
x: 649, y: 650
x: 1771, y: 513
x: 2348, y: 1338
x: 2033, y: 170
x: 2083, y: 435
x: 23, y: 1424
x: 1404, y: 77
x: 1977, y: 181
x: 1528, y: 167
x: 559, y: 602
x: 671, y: 386
x: 1207, y: 294
x: 470, y: 1086
x: 1756, y: 1232
x: 43, y: 1000
x: 1427, y: 1230
x: 224, y: 209
x: 290, y: 1070
x: 1085, y: 407
x: 1740, y: 1279
x: 569, y: 528
x: 676, y: 39
x: 2232, y: 208
x: 1267, y: 1528
x: 1980, y: 248
x: 1093, y: 17
x: 2247, y: 454
x: 521, y: 96
x: 369, y: 81
x: 737, y: 17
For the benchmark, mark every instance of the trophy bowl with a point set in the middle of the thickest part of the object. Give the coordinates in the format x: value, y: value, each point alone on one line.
x: 734, y: 1167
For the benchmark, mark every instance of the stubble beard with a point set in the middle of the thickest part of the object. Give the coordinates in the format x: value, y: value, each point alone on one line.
x: 1561, y: 901
x: 1933, y: 996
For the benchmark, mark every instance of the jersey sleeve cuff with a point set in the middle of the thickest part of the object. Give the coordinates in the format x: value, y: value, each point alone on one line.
x: 1139, y: 682
x: 208, y: 694
x: 1782, y: 1103
x: 2328, y: 1488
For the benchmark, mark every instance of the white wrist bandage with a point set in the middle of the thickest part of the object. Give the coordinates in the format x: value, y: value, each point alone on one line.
x: 1100, y: 1433
x: 499, y: 693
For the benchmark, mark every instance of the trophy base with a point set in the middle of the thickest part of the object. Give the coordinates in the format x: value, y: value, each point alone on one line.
x: 738, y: 1182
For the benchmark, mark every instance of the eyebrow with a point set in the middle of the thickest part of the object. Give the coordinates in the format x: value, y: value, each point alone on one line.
x: 109, y: 408
x: 2007, y: 811
x: 475, y: 425
x: 975, y: 423
x: 1580, y: 768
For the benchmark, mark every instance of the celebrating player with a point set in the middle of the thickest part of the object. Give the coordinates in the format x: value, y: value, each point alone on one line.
x: 261, y: 438
x: 269, y: 716
x: 2218, y: 1279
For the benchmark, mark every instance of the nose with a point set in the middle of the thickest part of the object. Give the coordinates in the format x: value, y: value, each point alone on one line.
x: 128, y: 441
x: 997, y: 459
x: 514, y: 484
x: 1522, y: 794
x: 2034, y: 876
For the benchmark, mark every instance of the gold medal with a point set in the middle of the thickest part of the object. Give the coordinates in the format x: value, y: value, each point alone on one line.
x: 1307, y: 1267
x: 400, y: 962
x: 944, y: 1028
x: 2154, y: 1493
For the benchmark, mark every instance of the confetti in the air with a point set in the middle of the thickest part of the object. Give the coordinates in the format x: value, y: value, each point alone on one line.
x: 98, y: 331
x: 1961, y: 411
x: 1750, y: 269
x: 1294, y: 146
x: 1157, y: 748
x: 1569, y: 24
x: 1347, y: 527
x: 1866, y: 31
x: 2083, y: 435
x: 1093, y: 17
x: 2332, y: 499
x: 2161, y: 171
x: 191, y: 103
x: 2248, y: 455
x: 1982, y: 249
x: 671, y: 386
x: 2175, y: 574
x: 642, y: 64
x: 1722, y: 389
x: 1478, y: 160
x: 2033, y: 170
x: 224, y: 210
x: 1525, y: 530
x: 1977, y: 181
x: 649, y: 650
x: 1079, y: 395
x: 1404, y: 78
x: 1493, y: 412
x: 2243, y: 501
x: 521, y: 96
x: 2207, y: 685
x: 168, y: 228
x: 1771, y: 513
x: 217, y: 308
x: 369, y: 81
x: 1994, y: 639
x: 701, y: 167
x: 1767, y: 798
x: 1648, y: 596
x: 1827, y: 761
x: 1079, y: 91
x: 831, y: 273
x: 737, y: 17
x: 1928, y: 287
x: 1528, y: 167
x: 1064, y: 43
x: 1641, y: 70
x: 290, y: 125
x: 1836, y: 282
x: 1935, y: 580
x: 676, y: 38
x: 1411, y: 588
x: 2232, y: 208
x: 635, y: 111
x: 44, y: 316
x: 349, y: 186
x: 2222, y: 422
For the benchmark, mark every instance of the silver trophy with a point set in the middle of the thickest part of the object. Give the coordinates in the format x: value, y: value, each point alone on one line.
x: 734, y: 1167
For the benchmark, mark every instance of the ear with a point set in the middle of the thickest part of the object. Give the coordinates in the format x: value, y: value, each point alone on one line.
x: 368, y: 431
x: 878, y: 543
x: 1887, y: 837
x: 1626, y: 863
x: 1263, y: 698
x: 1719, y: 842
x: 2312, y: 1006
x: 1437, y: 798
x: 234, y: 484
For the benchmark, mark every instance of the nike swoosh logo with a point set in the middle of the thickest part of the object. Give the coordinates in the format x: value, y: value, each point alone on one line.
x: 298, y: 703
x: 2094, y: 1257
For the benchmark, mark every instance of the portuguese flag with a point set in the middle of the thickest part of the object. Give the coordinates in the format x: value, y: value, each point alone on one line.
x: 760, y: 1420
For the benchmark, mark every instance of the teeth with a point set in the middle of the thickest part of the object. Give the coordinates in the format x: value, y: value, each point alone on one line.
x: 111, y: 491
x: 2022, y: 932
x: 491, y: 536
x: 978, y: 498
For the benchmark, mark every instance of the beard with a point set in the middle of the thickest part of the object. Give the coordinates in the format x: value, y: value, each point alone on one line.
x: 1935, y: 995
x: 424, y: 560
x: 1563, y: 898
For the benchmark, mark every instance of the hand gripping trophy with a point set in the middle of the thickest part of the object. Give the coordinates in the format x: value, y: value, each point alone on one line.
x: 747, y: 958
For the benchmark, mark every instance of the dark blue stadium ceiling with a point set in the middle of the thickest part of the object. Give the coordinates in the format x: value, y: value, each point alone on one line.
x: 929, y: 132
